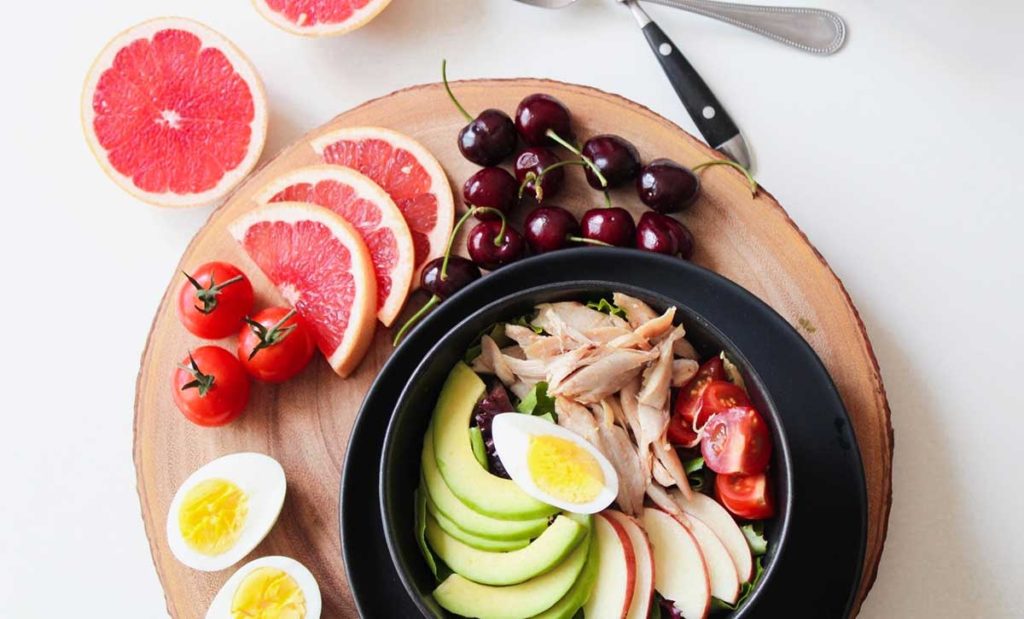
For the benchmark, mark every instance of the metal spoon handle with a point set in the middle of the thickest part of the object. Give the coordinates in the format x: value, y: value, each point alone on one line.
x: 812, y: 30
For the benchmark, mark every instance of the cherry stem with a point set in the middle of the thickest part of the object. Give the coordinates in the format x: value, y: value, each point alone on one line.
x: 451, y: 95
x: 607, y: 199
x: 451, y: 240
x: 501, y: 216
x: 429, y: 305
x: 731, y: 164
x: 586, y: 160
x: 536, y: 179
x: 583, y: 239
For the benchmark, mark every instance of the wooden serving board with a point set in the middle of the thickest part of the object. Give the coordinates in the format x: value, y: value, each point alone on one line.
x: 305, y: 423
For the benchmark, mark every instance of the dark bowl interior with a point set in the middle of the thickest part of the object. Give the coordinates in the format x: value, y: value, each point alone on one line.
x: 400, y: 467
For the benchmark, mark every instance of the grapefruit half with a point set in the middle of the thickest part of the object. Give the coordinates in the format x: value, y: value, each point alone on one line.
x: 370, y: 210
x: 319, y: 18
x: 320, y: 265
x: 408, y: 172
x: 174, y: 112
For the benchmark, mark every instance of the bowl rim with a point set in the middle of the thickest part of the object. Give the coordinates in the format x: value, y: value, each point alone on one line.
x: 782, y: 456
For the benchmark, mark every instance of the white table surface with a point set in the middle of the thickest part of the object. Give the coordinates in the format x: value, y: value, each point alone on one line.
x: 899, y: 157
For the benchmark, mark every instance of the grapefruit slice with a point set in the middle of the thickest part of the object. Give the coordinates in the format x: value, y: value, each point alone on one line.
x: 370, y: 210
x: 319, y: 18
x: 174, y: 113
x: 408, y: 172
x: 320, y: 265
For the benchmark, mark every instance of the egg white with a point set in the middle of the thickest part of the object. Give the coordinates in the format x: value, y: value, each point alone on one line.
x: 220, y: 607
x: 262, y: 480
x: 512, y: 433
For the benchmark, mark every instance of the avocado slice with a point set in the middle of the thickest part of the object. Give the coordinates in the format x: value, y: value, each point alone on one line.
x: 464, y: 597
x: 475, y: 486
x: 480, y: 543
x: 580, y: 592
x: 468, y: 520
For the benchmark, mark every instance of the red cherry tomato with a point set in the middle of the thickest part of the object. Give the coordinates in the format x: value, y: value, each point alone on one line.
x: 688, y: 402
x: 210, y: 386
x: 214, y: 299
x: 275, y: 345
x: 718, y: 396
x: 736, y: 441
x: 746, y: 496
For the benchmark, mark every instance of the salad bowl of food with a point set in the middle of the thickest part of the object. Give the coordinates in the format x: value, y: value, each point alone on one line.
x: 586, y: 445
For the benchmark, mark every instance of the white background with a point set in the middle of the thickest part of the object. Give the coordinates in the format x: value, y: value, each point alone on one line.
x: 899, y: 157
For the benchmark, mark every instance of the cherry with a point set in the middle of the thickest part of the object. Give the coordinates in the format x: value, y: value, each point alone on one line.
x: 492, y: 187
x: 549, y: 228
x: 443, y: 281
x: 666, y: 186
x: 489, y: 138
x: 682, y: 236
x: 613, y: 226
x: 543, y: 163
x: 615, y: 157
x: 664, y: 235
x: 538, y: 115
x: 492, y: 244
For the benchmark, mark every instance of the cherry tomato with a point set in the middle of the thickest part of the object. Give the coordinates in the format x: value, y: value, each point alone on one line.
x: 275, y: 345
x: 210, y: 386
x: 717, y: 396
x: 214, y: 299
x: 746, y: 496
x: 736, y: 441
x: 688, y: 402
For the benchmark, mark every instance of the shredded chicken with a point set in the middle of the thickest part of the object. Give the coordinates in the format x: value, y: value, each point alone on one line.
x: 637, y: 312
x: 683, y: 370
x: 608, y: 371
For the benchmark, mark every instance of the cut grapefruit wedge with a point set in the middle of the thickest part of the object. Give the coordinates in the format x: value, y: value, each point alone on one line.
x: 408, y: 172
x: 318, y: 18
x: 320, y: 265
x: 174, y: 113
x: 370, y: 210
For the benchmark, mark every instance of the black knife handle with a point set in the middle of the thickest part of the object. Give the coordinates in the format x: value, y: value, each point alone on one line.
x: 708, y: 114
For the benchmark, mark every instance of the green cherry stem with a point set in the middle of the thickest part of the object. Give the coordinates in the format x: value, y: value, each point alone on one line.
x: 451, y: 240
x: 536, y: 179
x: 581, y: 239
x: 429, y: 305
x: 490, y: 209
x: 731, y: 164
x: 451, y: 95
x: 586, y: 160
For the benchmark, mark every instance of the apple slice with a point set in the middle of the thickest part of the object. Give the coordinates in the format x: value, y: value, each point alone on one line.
x: 616, y: 572
x: 725, y: 583
x: 643, y: 589
x: 680, y: 571
x: 721, y: 522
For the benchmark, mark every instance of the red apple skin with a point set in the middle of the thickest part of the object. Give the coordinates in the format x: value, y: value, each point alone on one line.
x: 723, y: 524
x: 640, y: 605
x: 612, y: 595
x: 627, y: 548
x: 683, y: 531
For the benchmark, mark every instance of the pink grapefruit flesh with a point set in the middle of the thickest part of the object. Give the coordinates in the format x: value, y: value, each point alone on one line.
x: 320, y: 17
x: 174, y: 113
x: 320, y: 265
x: 370, y: 211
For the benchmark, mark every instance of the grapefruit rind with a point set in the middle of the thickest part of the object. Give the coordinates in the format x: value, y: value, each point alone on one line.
x: 391, y: 218
x: 241, y: 64
x: 359, y: 18
x: 439, y: 185
x: 358, y: 334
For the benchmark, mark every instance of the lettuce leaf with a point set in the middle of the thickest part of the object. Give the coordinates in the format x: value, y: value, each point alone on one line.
x: 754, y: 532
x: 717, y: 604
x: 537, y: 401
x: 695, y: 472
x: 607, y: 307
x: 421, y: 529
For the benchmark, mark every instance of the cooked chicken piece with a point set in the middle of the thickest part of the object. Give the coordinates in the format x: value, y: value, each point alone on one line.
x: 683, y: 348
x: 571, y: 317
x: 524, y: 336
x: 528, y: 370
x: 576, y: 418
x: 661, y: 474
x: 491, y: 361
x: 608, y: 371
x: 628, y: 405
x: 656, y: 328
x: 683, y: 370
x: 552, y: 322
x: 561, y: 367
x: 548, y: 347
x: 616, y: 445
x: 612, y: 336
x: 637, y: 312
x: 630, y: 339
x: 664, y: 500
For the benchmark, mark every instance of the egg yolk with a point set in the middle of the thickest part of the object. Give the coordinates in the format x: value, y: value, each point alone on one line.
x: 563, y: 469
x: 212, y: 516
x: 268, y: 593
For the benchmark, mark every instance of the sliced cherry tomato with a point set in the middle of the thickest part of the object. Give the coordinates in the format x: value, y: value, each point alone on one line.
x: 746, y: 496
x: 688, y: 402
x: 210, y: 386
x: 214, y: 299
x: 736, y: 441
x: 275, y: 345
x: 718, y: 396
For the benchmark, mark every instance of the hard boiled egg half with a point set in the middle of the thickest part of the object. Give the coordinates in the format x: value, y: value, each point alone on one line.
x: 553, y: 464
x: 224, y: 510
x: 268, y: 588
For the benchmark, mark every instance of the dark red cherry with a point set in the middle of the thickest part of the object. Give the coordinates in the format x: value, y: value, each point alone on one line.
x: 613, y: 226
x: 535, y: 161
x: 489, y: 255
x: 666, y: 186
x: 617, y: 159
x: 537, y: 114
x: 549, y: 228
x: 654, y: 233
x: 492, y: 187
x: 489, y: 138
x: 461, y: 273
x: 682, y: 236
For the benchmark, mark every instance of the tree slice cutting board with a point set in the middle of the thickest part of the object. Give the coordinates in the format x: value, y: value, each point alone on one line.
x: 305, y: 423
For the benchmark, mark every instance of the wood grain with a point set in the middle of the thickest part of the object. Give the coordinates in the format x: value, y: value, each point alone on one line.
x: 305, y: 423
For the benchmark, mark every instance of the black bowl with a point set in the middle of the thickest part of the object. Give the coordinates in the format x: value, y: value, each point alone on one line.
x: 400, y: 463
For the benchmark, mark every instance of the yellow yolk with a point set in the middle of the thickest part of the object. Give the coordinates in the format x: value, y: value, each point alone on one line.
x: 268, y: 593
x: 563, y: 469
x: 212, y: 515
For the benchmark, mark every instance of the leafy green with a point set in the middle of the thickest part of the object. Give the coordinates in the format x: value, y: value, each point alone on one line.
x: 607, y: 307
x: 476, y: 440
x: 524, y: 321
x: 695, y: 472
x: 754, y: 532
x: 497, y: 333
x: 537, y: 401
x: 421, y: 529
x: 745, y: 590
